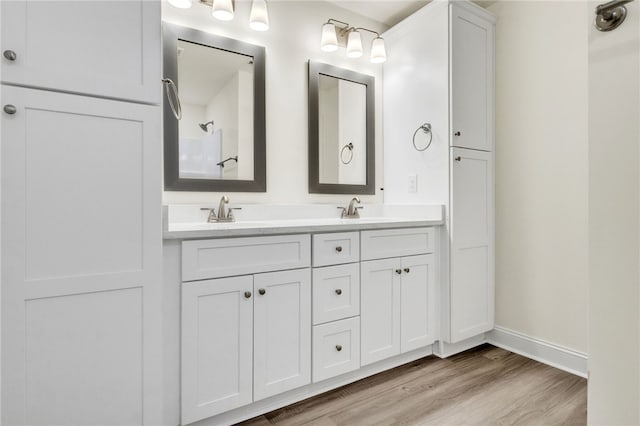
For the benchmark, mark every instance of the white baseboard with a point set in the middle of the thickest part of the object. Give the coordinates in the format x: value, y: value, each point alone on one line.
x: 444, y: 350
x: 545, y: 352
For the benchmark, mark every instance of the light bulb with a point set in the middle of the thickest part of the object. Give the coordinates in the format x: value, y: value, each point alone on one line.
x: 378, y: 51
x: 259, y: 19
x: 222, y: 10
x: 329, y: 42
x: 354, y: 45
x: 180, y: 4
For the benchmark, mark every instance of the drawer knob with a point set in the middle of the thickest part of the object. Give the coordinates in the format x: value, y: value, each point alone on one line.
x: 457, y: 134
x: 262, y: 291
x: 338, y: 291
x: 407, y: 270
x: 398, y: 271
x: 338, y: 348
x: 339, y: 249
x: 10, y: 109
x: 458, y: 158
x: 247, y: 294
x: 9, y: 55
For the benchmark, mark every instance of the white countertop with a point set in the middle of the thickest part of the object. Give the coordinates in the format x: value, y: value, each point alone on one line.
x: 182, y: 222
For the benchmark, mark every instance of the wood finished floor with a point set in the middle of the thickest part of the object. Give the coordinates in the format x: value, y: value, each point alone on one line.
x: 483, y: 386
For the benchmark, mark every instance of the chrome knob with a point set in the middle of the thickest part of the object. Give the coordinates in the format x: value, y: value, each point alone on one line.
x: 338, y: 348
x: 457, y: 134
x: 339, y: 249
x: 247, y: 294
x: 9, y: 55
x: 338, y: 291
x: 262, y: 291
x: 398, y: 271
x: 407, y: 270
x: 10, y: 109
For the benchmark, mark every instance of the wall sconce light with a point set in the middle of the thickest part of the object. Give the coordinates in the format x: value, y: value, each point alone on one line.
x: 351, y: 37
x: 224, y: 11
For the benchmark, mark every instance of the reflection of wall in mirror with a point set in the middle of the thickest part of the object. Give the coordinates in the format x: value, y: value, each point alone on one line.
x: 198, y: 152
x: 328, y: 117
x: 352, y: 129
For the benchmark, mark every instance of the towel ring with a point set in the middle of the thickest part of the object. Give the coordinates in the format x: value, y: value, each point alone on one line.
x: 348, y: 146
x: 175, y: 108
x: 426, y: 128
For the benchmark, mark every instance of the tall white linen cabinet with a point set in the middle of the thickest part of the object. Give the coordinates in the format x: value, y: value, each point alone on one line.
x: 440, y: 70
x: 81, y: 220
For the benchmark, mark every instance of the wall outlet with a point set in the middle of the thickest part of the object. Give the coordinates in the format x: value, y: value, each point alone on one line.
x: 413, y: 184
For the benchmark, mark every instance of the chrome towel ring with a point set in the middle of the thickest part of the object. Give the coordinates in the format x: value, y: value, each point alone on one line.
x: 348, y: 146
x: 175, y: 108
x: 426, y: 128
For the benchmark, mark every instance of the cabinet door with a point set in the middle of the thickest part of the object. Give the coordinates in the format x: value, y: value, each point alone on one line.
x: 472, y: 80
x: 282, y: 332
x: 418, y: 306
x: 217, y: 329
x: 379, y: 309
x: 102, y: 48
x: 81, y: 260
x: 472, y: 245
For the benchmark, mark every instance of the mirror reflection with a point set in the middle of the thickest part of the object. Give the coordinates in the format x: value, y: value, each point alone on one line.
x: 342, y: 131
x: 216, y: 129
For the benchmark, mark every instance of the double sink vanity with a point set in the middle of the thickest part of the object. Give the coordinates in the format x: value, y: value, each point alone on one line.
x: 286, y: 302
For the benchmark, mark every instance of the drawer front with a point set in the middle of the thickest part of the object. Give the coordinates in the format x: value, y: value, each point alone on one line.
x: 336, y: 292
x: 336, y: 348
x: 397, y: 242
x: 336, y: 248
x: 203, y: 259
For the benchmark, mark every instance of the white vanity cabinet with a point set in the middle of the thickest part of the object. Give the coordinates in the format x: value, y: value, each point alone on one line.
x: 398, y: 302
x: 101, y: 48
x: 247, y: 337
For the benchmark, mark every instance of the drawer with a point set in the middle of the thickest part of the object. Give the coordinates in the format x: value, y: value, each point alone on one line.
x: 203, y: 259
x: 336, y: 248
x: 336, y: 348
x: 381, y: 244
x: 336, y: 292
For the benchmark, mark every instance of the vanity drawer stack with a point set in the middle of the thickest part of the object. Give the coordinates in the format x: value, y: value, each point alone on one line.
x: 336, y: 304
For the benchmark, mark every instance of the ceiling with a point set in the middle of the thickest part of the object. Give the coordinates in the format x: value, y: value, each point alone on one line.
x: 389, y: 12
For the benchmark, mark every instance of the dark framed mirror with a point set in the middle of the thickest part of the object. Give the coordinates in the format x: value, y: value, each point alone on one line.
x: 341, y: 131
x: 219, y: 142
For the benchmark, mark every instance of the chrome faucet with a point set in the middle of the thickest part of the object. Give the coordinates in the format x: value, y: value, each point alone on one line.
x: 351, y: 212
x: 224, y: 214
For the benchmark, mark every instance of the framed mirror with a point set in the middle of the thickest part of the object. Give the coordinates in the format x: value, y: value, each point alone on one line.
x: 341, y: 131
x: 218, y: 144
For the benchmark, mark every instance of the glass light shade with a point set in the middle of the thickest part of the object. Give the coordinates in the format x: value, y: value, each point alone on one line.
x: 259, y: 19
x: 378, y: 51
x: 354, y: 45
x: 222, y: 10
x: 329, y: 42
x: 180, y: 4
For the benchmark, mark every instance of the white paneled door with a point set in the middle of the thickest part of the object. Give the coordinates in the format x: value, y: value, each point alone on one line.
x: 81, y: 253
x: 418, y: 302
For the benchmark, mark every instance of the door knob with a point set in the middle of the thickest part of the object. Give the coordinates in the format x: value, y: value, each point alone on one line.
x: 10, y: 55
x: 247, y: 294
x: 457, y: 134
x: 458, y: 158
x: 10, y: 109
x: 338, y: 348
x: 338, y: 291
x: 262, y: 291
x: 398, y: 271
x: 339, y: 249
x: 407, y: 270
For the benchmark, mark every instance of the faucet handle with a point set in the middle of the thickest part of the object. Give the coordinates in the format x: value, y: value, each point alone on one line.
x: 231, y: 209
x: 343, y: 213
x: 212, y: 214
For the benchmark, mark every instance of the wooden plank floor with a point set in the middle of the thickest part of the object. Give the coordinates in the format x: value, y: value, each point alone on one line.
x: 483, y: 386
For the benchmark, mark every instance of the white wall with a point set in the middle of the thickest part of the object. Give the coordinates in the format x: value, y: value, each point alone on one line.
x: 293, y: 39
x: 542, y: 170
x: 614, y: 223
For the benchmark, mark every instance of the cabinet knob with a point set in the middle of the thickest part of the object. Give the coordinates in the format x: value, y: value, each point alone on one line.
x: 407, y: 270
x: 398, y: 271
x: 10, y: 55
x: 262, y: 291
x: 339, y: 249
x: 247, y: 294
x: 10, y: 109
x: 458, y: 158
x: 338, y: 348
x: 457, y: 134
x: 338, y: 291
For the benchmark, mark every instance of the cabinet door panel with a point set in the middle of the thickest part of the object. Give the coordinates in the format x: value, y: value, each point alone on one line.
x: 418, y: 306
x: 102, y: 48
x: 472, y: 245
x: 379, y: 310
x: 471, y: 80
x: 217, y: 326
x: 282, y: 332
